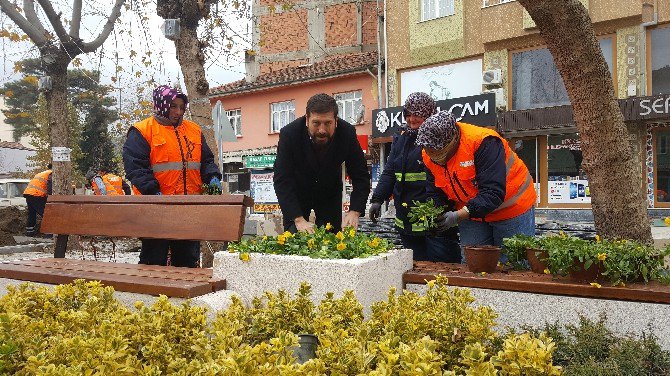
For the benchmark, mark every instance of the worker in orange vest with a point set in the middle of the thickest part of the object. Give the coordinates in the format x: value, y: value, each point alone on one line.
x: 473, y: 166
x: 107, y: 184
x: 36, y: 194
x: 167, y: 155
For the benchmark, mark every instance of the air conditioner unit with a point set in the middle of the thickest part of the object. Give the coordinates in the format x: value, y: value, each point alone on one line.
x: 171, y: 29
x: 44, y: 83
x: 492, y: 77
x: 501, y: 102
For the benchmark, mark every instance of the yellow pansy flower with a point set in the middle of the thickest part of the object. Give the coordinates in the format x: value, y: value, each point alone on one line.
x: 231, y: 249
x: 341, y: 246
x: 597, y: 238
x: 265, y: 237
x: 352, y: 233
x: 244, y: 257
x: 596, y: 285
x: 281, y: 239
x: 667, y: 221
x: 310, y: 243
x: 287, y: 234
x: 340, y: 235
x: 602, y: 256
x: 328, y: 226
x: 404, y: 204
x: 483, y: 274
x: 547, y: 271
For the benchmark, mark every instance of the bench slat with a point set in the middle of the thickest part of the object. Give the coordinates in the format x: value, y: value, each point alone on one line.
x: 164, y: 200
x: 142, y: 285
x: 178, y: 222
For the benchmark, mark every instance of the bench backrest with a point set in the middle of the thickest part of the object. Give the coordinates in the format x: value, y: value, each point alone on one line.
x: 216, y: 218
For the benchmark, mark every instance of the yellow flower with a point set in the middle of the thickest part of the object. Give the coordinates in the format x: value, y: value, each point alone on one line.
x: 328, y: 226
x: 310, y: 243
x: 265, y: 237
x: 483, y: 274
x: 602, y: 256
x: 287, y: 234
x: 341, y: 246
x: 352, y: 233
x: 667, y: 221
x: 373, y: 243
x: 404, y: 204
x: 547, y: 271
x: 244, y: 257
x: 281, y: 239
x: 596, y: 285
x: 340, y: 235
x: 231, y: 249
x: 431, y: 284
x: 597, y: 238
x: 562, y: 233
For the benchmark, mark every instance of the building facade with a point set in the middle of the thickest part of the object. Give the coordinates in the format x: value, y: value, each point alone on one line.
x: 311, y: 47
x: 460, y: 48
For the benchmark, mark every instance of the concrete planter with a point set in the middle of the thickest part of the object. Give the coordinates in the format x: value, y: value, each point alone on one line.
x: 369, y: 278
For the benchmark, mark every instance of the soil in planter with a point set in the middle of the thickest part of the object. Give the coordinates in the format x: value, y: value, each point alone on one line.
x: 482, y: 258
x: 536, y: 259
x: 592, y: 274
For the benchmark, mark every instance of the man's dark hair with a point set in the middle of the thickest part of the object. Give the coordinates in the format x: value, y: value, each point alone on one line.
x: 321, y: 104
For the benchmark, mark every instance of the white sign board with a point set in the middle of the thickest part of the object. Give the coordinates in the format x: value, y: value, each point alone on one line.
x: 60, y: 154
x: 569, y: 192
x: 262, y: 187
x: 444, y: 81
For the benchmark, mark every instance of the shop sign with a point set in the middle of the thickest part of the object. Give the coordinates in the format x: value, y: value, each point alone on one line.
x: 266, y: 208
x: 259, y: 161
x: 477, y: 109
x: 655, y: 106
x: 569, y: 192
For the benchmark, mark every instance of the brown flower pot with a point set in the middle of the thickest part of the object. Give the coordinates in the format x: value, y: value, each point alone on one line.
x: 592, y: 274
x: 482, y: 258
x: 536, y: 259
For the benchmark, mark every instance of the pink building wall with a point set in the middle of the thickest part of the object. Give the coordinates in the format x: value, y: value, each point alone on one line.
x: 255, y: 106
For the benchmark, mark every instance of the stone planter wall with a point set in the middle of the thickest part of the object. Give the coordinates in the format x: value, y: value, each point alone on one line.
x: 369, y: 278
x: 516, y: 309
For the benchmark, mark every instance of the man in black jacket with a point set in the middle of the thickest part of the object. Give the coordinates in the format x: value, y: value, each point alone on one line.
x: 307, y: 171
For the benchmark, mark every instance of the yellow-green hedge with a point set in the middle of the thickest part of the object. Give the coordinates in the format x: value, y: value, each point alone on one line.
x: 81, y: 329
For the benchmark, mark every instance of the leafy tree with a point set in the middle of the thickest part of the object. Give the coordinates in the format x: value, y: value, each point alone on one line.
x: 619, y: 205
x: 96, y: 143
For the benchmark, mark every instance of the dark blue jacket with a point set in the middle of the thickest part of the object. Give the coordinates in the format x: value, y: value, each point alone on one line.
x: 136, y: 152
x: 404, y: 176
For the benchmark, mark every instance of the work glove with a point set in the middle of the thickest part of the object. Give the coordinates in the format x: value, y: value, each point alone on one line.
x: 216, y: 182
x: 445, y: 221
x: 159, y: 193
x: 375, y: 211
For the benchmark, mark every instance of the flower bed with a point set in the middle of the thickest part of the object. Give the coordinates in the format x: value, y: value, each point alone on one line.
x: 329, y: 262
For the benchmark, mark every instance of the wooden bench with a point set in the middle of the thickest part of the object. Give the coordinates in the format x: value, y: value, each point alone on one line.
x: 213, y: 218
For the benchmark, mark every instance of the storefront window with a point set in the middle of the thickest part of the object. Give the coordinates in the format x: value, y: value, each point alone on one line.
x: 536, y: 82
x: 526, y: 149
x: 660, y: 61
x: 567, y: 181
x: 662, y: 165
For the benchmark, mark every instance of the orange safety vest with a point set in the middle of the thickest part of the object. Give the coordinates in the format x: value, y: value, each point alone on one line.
x: 175, y: 155
x: 38, y: 185
x: 458, y: 179
x: 113, y: 185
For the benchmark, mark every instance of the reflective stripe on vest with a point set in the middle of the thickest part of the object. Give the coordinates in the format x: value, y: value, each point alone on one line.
x: 37, y: 188
x: 175, y: 166
x: 416, y: 227
x: 411, y: 176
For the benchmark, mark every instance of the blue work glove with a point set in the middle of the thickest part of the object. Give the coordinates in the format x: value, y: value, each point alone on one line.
x: 215, y: 181
x: 445, y: 221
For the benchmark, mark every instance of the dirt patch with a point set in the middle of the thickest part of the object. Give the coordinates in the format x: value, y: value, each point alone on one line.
x: 12, y: 222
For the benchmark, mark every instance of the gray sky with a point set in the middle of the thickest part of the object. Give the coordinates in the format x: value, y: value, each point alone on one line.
x: 221, y: 68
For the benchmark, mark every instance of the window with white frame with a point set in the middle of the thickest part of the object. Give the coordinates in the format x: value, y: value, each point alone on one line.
x: 431, y: 9
x: 235, y: 117
x: 349, y: 106
x: 282, y: 114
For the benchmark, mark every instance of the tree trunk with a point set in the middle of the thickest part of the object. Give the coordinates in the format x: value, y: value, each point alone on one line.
x: 58, y: 126
x: 617, y: 198
x: 192, y: 61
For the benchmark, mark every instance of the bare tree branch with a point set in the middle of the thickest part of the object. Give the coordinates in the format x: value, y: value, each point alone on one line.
x: 54, y: 19
x: 23, y: 24
x: 76, y: 19
x: 113, y: 16
x: 31, y: 16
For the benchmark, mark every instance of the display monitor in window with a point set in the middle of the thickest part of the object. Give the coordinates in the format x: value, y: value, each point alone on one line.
x: 568, y: 182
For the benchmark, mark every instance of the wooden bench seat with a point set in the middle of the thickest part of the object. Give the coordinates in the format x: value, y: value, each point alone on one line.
x: 146, y: 279
x: 213, y: 218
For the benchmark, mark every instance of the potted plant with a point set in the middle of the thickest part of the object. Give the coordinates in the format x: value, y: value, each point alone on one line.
x: 521, y: 250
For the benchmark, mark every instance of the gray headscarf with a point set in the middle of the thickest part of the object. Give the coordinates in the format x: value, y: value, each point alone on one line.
x: 419, y: 104
x: 437, y: 131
